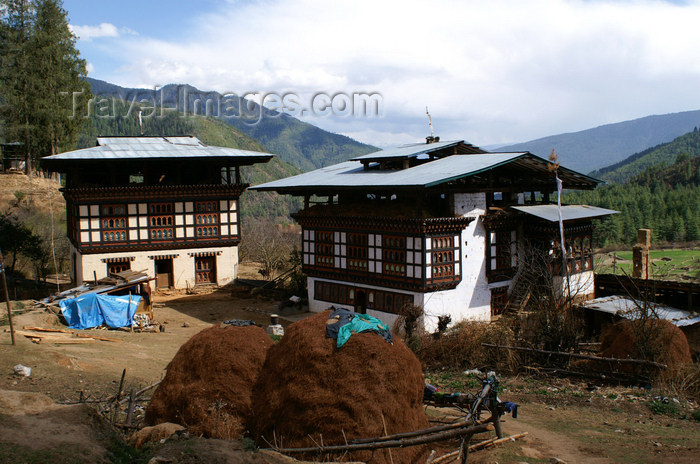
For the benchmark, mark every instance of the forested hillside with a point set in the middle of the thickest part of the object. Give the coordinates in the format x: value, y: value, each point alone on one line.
x: 664, y: 198
x: 664, y: 154
x: 212, y: 132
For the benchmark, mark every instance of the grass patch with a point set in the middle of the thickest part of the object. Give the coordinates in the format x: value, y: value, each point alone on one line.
x: 667, y: 409
x: 665, y: 264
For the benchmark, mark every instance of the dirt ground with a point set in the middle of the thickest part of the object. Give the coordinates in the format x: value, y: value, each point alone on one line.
x: 569, y: 423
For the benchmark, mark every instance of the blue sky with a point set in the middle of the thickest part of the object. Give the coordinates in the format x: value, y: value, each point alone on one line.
x: 491, y: 72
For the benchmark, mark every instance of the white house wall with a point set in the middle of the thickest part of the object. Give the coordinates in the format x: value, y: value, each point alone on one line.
x: 471, y: 299
x: 582, y: 285
x: 90, y: 265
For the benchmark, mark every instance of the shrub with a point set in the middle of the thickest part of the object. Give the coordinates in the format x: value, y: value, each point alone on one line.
x: 460, y: 347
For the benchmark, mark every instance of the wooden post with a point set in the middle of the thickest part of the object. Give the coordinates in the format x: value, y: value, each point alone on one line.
x: 121, y: 385
x: 130, y: 409
x: 7, y: 300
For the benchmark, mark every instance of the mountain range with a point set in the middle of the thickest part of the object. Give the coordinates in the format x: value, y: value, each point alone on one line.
x: 601, y: 146
x: 603, y: 150
x: 300, y: 144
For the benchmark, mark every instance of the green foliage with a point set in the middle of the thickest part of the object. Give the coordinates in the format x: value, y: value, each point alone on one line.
x: 42, y: 78
x: 16, y: 240
x: 658, y: 406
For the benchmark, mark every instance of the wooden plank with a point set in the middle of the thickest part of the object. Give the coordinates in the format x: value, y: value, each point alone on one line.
x: 44, y: 329
x: 55, y: 338
x: 106, y: 339
x: 69, y: 341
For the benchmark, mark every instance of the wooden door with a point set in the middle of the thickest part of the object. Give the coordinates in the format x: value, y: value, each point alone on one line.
x: 205, y: 269
x: 164, y: 273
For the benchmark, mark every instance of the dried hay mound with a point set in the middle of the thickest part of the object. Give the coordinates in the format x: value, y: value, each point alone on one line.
x: 209, y: 382
x: 623, y: 340
x: 310, y: 388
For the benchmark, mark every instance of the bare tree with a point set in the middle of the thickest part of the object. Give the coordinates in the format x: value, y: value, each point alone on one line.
x: 268, y: 244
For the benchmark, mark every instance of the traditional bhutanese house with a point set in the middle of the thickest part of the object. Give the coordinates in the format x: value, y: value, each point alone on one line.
x: 167, y: 205
x: 437, y: 225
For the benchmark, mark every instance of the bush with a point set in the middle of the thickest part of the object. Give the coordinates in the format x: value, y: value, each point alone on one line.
x: 682, y: 381
x: 663, y: 408
x: 460, y: 347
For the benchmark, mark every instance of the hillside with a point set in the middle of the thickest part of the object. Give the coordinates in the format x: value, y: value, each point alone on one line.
x: 598, y: 147
x: 663, y: 154
x: 212, y: 132
x: 662, y: 198
x: 300, y: 144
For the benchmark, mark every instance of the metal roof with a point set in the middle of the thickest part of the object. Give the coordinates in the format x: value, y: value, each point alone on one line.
x: 351, y: 174
x: 408, y: 151
x: 113, y: 148
x: 568, y: 212
x: 624, y: 307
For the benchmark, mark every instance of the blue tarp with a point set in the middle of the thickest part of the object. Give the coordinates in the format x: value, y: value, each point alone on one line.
x: 93, y: 310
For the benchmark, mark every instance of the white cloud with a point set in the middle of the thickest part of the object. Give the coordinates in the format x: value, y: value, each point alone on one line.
x: 497, y: 71
x: 101, y: 30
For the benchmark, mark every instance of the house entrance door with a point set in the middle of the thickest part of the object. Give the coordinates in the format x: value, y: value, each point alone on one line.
x: 205, y: 269
x: 164, y: 273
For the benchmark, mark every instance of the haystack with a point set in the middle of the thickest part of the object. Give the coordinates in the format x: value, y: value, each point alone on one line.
x: 310, y: 392
x: 209, y: 382
x: 621, y: 341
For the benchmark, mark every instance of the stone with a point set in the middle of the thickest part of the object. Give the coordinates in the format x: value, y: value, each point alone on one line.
x: 155, y: 433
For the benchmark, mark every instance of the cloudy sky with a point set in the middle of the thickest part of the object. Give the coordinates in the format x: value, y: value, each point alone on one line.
x: 491, y: 72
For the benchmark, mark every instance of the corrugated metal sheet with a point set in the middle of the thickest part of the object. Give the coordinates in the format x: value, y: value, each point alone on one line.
x: 351, y: 173
x: 152, y: 147
x: 624, y: 307
x: 568, y: 212
x: 407, y: 151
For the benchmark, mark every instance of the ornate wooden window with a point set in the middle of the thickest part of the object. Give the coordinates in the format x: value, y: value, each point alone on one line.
x: 160, y: 221
x: 113, y: 222
x: 394, y: 255
x: 117, y: 267
x: 324, y: 248
x: 442, y: 257
x: 357, y: 251
x: 207, y: 219
x: 499, y: 299
x: 502, y: 252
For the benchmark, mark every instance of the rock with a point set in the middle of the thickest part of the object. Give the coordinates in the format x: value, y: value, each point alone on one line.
x: 24, y: 371
x: 556, y: 461
x: 154, y: 434
x: 275, y: 329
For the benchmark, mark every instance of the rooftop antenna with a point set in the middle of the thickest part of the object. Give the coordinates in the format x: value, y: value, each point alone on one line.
x: 431, y: 138
x: 140, y: 124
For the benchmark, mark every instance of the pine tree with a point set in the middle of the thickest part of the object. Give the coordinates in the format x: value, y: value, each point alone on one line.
x: 63, y: 74
x: 17, y: 75
x: 41, y: 69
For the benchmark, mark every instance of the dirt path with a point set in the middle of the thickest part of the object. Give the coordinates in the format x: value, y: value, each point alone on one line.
x: 545, y: 443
